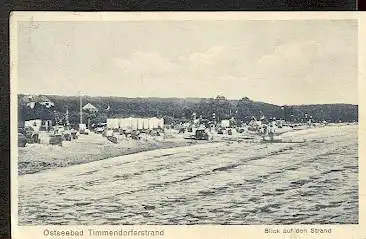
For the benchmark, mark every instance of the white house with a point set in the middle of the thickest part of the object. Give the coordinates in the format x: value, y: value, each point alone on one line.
x: 89, y: 107
x: 135, y: 123
x: 32, y: 100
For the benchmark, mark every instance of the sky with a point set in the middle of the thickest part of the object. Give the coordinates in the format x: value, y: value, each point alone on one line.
x: 280, y: 62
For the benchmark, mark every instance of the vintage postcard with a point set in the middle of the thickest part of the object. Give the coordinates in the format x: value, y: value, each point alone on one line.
x: 188, y: 125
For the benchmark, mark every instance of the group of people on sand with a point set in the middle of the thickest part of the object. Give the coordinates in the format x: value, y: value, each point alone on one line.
x: 268, y: 129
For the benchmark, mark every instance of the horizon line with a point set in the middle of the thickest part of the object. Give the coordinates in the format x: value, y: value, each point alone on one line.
x: 186, y: 97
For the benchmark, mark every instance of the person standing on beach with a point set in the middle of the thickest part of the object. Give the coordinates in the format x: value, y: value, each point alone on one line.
x: 271, y: 129
x: 264, y: 131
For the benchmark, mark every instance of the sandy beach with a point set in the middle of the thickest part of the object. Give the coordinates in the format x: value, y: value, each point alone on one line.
x: 216, y: 183
x: 93, y: 147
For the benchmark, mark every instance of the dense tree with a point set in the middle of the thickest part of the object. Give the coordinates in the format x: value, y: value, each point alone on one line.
x: 178, y: 110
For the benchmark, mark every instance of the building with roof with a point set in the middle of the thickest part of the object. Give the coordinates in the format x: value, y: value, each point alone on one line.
x: 91, y: 108
x: 32, y: 100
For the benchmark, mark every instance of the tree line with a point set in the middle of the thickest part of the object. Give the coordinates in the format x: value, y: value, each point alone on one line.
x: 176, y: 110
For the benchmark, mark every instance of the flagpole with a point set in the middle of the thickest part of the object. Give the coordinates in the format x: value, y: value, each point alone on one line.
x: 67, y: 117
x: 81, y: 109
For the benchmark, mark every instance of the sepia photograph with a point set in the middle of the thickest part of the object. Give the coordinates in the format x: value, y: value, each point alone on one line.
x: 186, y: 121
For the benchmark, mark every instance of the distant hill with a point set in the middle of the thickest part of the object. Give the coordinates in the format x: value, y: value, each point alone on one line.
x: 178, y: 109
